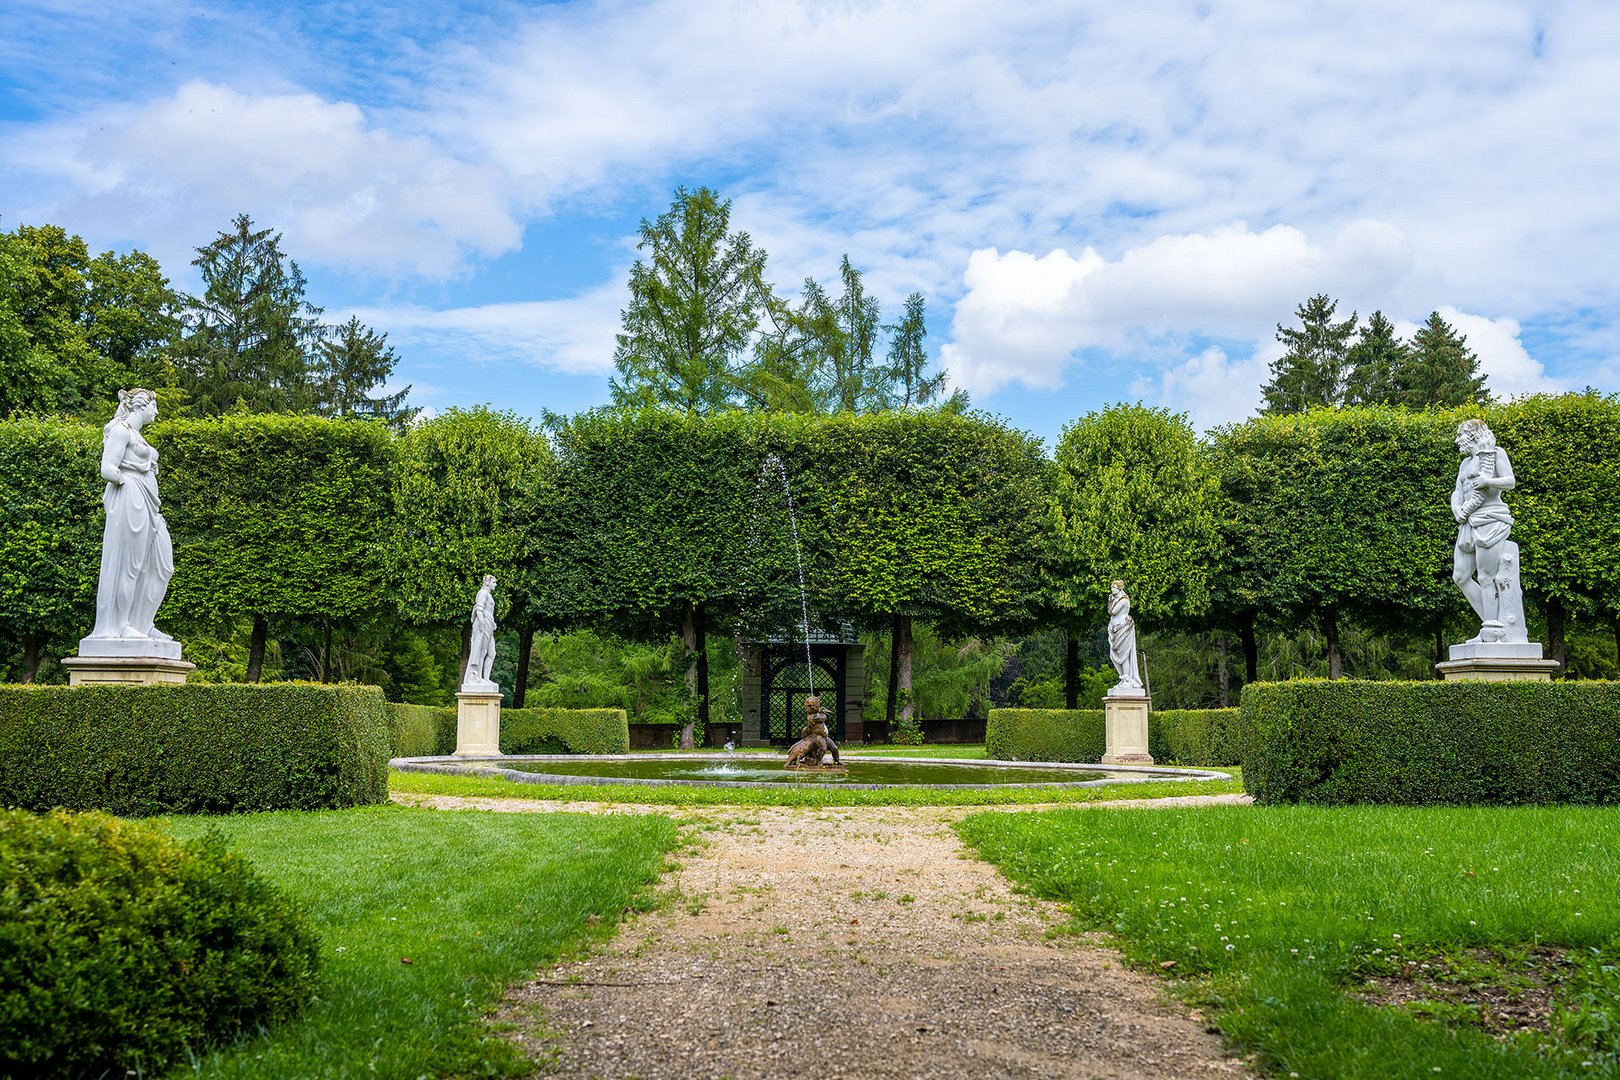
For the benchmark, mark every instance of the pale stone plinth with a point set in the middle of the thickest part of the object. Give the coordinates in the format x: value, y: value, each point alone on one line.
x: 1497, y: 669
x: 1127, y: 722
x: 478, y: 723
x: 126, y: 670
x: 140, y: 648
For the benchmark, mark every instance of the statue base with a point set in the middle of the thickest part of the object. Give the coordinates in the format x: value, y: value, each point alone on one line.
x: 1127, y: 726
x: 139, y: 648
x: 1489, y: 668
x: 478, y: 723
x: 127, y: 670
x: 836, y: 770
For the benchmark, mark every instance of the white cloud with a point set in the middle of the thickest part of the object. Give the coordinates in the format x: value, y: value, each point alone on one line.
x: 1023, y: 318
x: 1211, y: 388
x: 344, y: 191
x: 573, y: 336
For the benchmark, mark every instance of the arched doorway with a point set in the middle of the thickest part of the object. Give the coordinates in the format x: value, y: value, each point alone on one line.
x: 786, y: 680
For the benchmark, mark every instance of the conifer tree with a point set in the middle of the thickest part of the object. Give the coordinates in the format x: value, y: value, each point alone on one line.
x: 1375, y: 359
x: 1441, y: 370
x: 1312, y: 370
x: 352, y: 360
x: 907, y: 384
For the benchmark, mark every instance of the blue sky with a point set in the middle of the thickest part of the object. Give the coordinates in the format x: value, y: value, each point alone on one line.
x: 1100, y: 201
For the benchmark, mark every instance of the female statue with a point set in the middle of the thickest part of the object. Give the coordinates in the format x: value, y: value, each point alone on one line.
x: 481, y: 652
x: 1122, y: 643
x: 137, y: 558
x: 1486, y: 562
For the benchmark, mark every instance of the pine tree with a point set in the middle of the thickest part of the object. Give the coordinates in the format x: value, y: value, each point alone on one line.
x: 1441, y: 370
x: 907, y: 384
x: 1375, y: 359
x: 695, y: 302
x: 352, y: 360
x: 1312, y: 370
x: 251, y: 336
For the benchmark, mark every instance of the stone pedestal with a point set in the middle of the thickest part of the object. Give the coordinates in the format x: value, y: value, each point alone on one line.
x: 1127, y: 723
x: 478, y: 723
x: 1497, y: 661
x: 127, y: 670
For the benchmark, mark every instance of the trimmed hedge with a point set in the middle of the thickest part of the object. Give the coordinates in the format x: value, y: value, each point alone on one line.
x: 203, y: 748
x: 565, y: 731
x: 120, y: 946
x: 1195, y: 736
x: 430, y: 731
x: 1432, y: 743
x: 1045, y: 735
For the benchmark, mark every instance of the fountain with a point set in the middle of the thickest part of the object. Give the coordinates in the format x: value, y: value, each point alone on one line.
x: 812, y: 751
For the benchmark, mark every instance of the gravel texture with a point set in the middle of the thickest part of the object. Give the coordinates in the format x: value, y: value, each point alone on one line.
x: 859, y: 942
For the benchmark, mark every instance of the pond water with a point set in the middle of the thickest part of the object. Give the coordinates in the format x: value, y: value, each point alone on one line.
x: 769, y: 770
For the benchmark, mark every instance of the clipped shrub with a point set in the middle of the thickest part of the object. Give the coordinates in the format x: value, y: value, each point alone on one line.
x: 564, y: 731
x: 1431, y: 743
x: 430, y: 731
x: 1195, y: 736
x: 120, y: 946
x: 221, y: 748
x: 1045, y: 735
x: 422, y: 730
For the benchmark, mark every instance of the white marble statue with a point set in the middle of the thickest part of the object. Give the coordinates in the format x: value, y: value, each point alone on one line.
x: 1486, y: 564
x: 1122, y: 643
x: 481, y: 654
x: 137, y: 557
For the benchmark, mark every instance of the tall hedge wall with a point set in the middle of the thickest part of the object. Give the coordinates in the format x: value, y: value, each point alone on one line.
x: 428, y: 731
x: 221, y: 748
x: 1195, y: 736
x: 1045, y: 735
x: 1418, y: 743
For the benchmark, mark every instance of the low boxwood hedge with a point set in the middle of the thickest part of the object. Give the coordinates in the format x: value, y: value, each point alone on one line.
x: 430, y: 731
x: 120, y: 946
x: 1432, y: 743
x: 1045, y: 735
x: 1195, y: 736
x: 202, y: 748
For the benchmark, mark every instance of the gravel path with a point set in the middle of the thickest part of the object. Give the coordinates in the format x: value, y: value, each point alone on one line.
x: 860, y: 942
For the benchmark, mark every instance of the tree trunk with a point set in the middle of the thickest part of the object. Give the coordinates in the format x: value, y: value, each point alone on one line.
x: 701, y: 616
x: 1222, y: 679
x: 1071, y: 672
x: 902, y: 645
x: 1330, y: 630
x: 525, y: 646
x: 1557, y: 648
x: 256, y: 648
x: 32, y: 645
x: 1251, y: 648
x: 466, y: 653
x: 1440, y: 652
x: 889, y: 718
x: 326, y: 652
x: 689, y: 656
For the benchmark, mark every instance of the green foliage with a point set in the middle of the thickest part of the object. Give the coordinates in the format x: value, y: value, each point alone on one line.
x: 1045, y: 735
x: 1440, y: 371
x: 694, y: 302
x: 1131, y: 500
x: 278, y: 516
x: 1351, y: 741
x: 950, y: 678
x: 251, y: 336
x: 50, y: 527
x: 464, y: 500
x: 122, y: 947
x: 425, y: 731
x: 74, y: 329
x: 565, y: 731
x: 1375, y: 359
x: 1195, y: 737
x: 1312, y: 370
x: 226, y: 748
x: 351, y: 361
x: 421, y: 730
x: 908, y: 386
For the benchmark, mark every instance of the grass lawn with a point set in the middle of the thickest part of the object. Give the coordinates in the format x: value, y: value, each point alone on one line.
x: 808, y: 794
x: 424, y: 917
x: 1285, y: 921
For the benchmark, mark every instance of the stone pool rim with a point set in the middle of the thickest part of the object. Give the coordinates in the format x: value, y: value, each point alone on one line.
x: 482, y: 765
